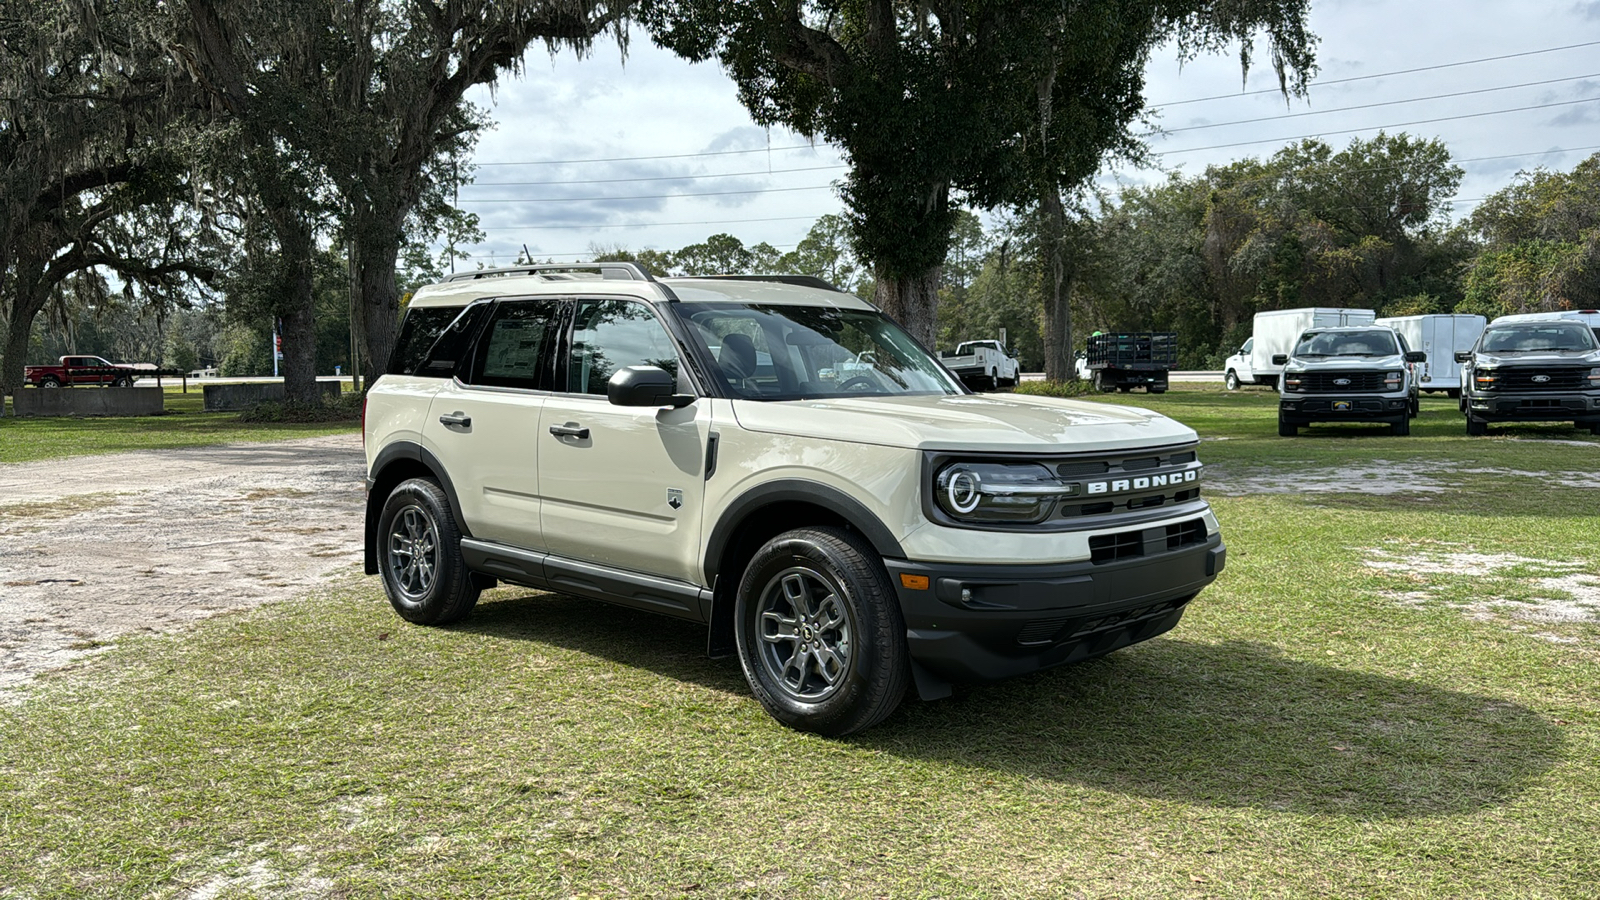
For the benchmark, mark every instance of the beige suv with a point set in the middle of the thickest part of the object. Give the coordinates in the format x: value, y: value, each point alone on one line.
x: 781, y: 462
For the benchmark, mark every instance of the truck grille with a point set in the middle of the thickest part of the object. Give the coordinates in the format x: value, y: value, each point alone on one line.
x: 1325, y: 382
x: 1528, y: 378
x: 1104, y: 548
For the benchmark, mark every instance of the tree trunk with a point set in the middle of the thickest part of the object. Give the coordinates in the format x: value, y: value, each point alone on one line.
x: 30, y: 292
x: 298, y: 312
x: 378, y: 297
x: 1059, y: 271
x: 913, y: 302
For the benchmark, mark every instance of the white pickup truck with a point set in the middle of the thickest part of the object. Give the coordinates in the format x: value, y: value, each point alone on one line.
x: 981, y: 365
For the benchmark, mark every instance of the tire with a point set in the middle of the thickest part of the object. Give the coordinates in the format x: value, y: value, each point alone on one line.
x: 1402, y: 426
x: 1287, y: 428
x: 1231, y: 380
x: 1415, y: 409
x: 123, y: 381
x: 1461, y: 403
x: 821, y: 589
x: 1595, y: 428
x: 49, y: 381
x: 1477, y: 427
x: 1453, y: 393
x: 419, y: 556
x: 1100, y: 382
x: 1157, y: 389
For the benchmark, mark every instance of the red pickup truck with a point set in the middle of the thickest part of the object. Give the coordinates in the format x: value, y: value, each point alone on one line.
x: 82, y: 370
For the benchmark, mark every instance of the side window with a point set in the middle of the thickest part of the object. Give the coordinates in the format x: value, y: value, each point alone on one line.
x: 421, y: 328
x: 514, y: 349
x: 609, y: 335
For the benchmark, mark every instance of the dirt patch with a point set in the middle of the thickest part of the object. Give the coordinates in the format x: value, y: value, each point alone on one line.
x: 1559, y: 591
x: 154, y: 540
x: 1381, y: 477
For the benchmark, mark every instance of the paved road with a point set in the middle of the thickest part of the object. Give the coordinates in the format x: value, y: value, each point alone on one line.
x: 1171, y: 376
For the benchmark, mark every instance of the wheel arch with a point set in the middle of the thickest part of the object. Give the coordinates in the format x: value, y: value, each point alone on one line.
x: 395, y: 463
x: 764, y: 512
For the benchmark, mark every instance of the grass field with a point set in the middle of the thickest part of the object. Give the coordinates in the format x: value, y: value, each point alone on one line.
x: 1391, y: 692
x: 184, y: 425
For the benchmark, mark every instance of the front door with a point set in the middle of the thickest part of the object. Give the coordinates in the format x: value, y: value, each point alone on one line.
x: 621, y: 486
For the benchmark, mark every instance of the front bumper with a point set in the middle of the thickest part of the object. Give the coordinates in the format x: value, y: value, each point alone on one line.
x: 979, y: 622
x: 1353, y: 408
x: 1535, y: 407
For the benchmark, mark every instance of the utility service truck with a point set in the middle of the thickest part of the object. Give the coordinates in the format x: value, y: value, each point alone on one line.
x: 981, y: 365
x: 1275, y: 333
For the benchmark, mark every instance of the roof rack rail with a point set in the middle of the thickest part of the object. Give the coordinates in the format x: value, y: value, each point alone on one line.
x: 609, y: 271
x: 810, y: 281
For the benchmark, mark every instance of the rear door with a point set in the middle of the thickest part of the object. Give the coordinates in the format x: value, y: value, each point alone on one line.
x: 621, y: 486
x: 484, y: 425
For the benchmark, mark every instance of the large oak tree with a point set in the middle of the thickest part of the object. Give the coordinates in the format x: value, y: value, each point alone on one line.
x: 984, y: 101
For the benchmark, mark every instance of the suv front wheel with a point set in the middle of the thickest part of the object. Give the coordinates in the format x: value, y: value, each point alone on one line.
x: 419, y: 547
x: 819, y: 632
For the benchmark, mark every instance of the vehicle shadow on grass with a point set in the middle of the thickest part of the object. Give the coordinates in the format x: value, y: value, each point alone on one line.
x: 1237, y: 724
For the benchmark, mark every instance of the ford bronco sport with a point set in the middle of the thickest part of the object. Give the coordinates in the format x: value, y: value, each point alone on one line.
x: 781, y: 462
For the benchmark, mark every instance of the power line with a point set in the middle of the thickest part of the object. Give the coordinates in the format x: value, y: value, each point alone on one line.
x: 656, y: 224
x: 1493, y: 112
x: 1465, y: 62
x: 820, y: 187
x: 1324, y: 112
x: 658, y: 177
x: 574, y: 162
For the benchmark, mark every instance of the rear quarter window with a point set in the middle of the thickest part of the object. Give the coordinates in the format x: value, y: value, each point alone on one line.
x: 420, y: 350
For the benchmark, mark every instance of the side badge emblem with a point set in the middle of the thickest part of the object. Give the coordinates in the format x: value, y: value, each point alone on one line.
x: 675, y: 498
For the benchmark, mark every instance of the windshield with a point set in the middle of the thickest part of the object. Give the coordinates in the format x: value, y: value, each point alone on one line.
x: 779, y: 352
x: 1346, y: 343
x: 1530, y: 338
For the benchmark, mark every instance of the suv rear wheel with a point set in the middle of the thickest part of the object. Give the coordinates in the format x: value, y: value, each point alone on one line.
x: 819, y: 632
x: 419, y: 547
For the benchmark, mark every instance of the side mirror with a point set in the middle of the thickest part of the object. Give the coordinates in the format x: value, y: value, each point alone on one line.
x: 1279, y: 359
x: 1416, y: 356
x: 645, y: 386
x: 1463, y: 356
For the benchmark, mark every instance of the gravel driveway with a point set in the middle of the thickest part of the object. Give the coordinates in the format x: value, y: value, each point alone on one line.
x: 96, y: 547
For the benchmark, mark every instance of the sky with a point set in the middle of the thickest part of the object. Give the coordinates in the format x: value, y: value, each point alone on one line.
x: 649, y: 151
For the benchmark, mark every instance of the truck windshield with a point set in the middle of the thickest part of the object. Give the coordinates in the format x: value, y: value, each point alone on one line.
x: 1533, y: 338
x: 1345, y: 343
x: 780, y: 352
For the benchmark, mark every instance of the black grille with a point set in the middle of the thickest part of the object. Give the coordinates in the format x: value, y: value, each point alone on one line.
x: 1087, y: 467
x: 1566, y: 378
x: 1184, y: 534
x: 1323, y: 382
x: 1105, y: 548
x: 1040, y: 631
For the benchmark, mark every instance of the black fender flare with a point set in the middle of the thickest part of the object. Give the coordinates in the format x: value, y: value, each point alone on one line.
x: 402, y: 452
x: 788, y: 490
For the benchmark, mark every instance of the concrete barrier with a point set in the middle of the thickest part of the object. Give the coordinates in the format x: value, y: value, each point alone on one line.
x: 235, y: 397
x: 89, y: 401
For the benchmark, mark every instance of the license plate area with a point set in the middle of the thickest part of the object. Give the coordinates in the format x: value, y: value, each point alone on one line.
x: 1343, y: 405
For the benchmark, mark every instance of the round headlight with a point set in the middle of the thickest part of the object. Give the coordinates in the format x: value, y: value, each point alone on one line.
x: 962, y: 490
x: 998, y: 492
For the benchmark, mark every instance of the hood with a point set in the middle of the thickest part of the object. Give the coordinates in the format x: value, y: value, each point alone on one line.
x: 1541, y: 358
x: 985, y: 422
x: 1346, y: 363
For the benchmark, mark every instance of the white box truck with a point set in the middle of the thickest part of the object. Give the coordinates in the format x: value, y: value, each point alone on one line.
x: 1441, y: 336
x: 1274, y: 332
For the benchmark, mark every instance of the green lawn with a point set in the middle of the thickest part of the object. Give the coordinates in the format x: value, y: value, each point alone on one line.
x: 1377, y: 699
x: 184, y: 425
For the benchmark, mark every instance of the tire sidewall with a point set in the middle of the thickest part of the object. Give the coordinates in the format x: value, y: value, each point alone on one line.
x: 441, y: 602
x: 876, y: 630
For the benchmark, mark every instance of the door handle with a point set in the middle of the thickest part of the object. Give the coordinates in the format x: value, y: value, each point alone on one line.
x: 456, y: 418
x: 571, y: 429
